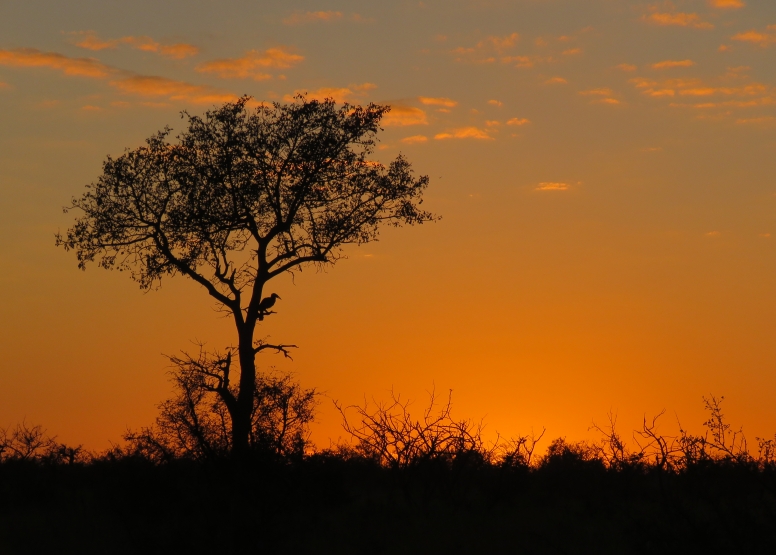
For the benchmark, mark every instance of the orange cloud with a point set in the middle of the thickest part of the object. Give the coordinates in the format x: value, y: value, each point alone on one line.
x: 727, y: 4
x: 252, y: 65
x: 500, y: 43
x: 518, y: 121
x: 299, y: 17
x: 599, y: 92
x: 555, y: 81
x: 522, y: 61
x: 679, y: 19
x: 465, y: 133
x: 31, y: 57
x: 446, y: 102
x: 610, y: 101
x: 143, y: 85
x: 572, y: 51
x: 415, y: 139
x: 552, y: 186
x: 755, y: 37
x: 338, y: 94
x: 176, y: 51
x: 626, y: 67
x: 402, y: 116
x: 673, y: 63
x: 4, y: 85
x: 764, y: 119
x: 496, y: 103
x: 91, y: 41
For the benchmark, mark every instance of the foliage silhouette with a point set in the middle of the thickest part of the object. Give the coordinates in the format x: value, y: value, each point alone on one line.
x: 239, y: 199
x: 194, y: 424
x: 576, y: 498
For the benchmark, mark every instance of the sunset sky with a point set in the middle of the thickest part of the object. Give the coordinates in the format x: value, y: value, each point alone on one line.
x: 605, y: 171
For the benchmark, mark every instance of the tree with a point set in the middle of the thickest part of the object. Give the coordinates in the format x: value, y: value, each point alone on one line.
x: 240, y: 198
x: 194, y: 423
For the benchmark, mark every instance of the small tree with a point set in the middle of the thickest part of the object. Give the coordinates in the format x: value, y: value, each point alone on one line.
x: 240, y: 198
x: 194, y: 423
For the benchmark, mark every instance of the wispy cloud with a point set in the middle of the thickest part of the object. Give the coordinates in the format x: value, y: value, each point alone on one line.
x: 402, y: 116
x: 4, y: 85
x: 760, y: 120
x: 727, y: 4
x: 626, y: 67
x: 299, y: 17
x: 338, y: 94
x: 551, y: 186
x: 597, y: 92
x: 252, y: 65
x: 31, y: 57
x: 150, y: 86
x: 572, y: 51
x: 756, y: 37
x: 496, y: 103
x: 555, y: 81
x: 667, y: 64
x: 679, y: 19
x: 465, y: 133
x: 518, y: 121
x: 177, y: 51
x: 441, y: 101
x: 415, y: 139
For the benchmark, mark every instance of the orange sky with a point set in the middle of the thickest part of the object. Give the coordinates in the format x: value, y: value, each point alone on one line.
x: 604, y: 171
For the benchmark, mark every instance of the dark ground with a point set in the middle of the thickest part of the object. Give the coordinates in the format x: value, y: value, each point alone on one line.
x: 328, y: 505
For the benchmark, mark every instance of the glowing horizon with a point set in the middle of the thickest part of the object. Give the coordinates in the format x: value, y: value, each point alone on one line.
x: 604, y: 175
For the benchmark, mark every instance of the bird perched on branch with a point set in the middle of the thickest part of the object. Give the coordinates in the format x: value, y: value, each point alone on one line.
x: 267, y: 303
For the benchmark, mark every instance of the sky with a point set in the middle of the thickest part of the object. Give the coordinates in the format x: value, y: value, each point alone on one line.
x: 603, y: 169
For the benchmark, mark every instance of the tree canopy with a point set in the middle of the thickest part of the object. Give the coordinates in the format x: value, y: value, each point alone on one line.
x: 241, y: 196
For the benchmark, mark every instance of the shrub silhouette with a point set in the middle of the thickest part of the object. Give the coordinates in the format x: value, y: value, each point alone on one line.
x: 194, y: 423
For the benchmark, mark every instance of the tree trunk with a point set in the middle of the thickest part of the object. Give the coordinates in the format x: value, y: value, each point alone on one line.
x: 241, y: 421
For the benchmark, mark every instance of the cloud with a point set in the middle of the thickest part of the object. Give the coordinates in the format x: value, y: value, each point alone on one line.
x: 500, y: 43
x: 4, y: 86
x: 415, y: 139
x: 518, y: 121
x: 764, y: 119
x: 252, y: 65
x: 712, y: 234
x: 177, y: 51
x: 673, y: 63
x: 90, y: 108
x: 91, y: 41
x: 496, y: 103
x: 626, y: 67
x: 521, y: 61
x: 465, y: 133
x: 610, y: 101
x: 31, y: 57
x: 429, y: 101
x: 555, y: 81
x: 492, y: 123
x: 598, y: 92
x: 299, y: 17
x: 402, y: 116
x: 572, y: 51
x: 679, y: 19
x: 551, y: 186
x: 756, y: 37
x: 150, y: 86
x: 338, y: 94
x: 727, y: 4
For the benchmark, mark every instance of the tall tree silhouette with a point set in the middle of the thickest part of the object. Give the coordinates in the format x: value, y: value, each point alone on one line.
x: 240, y: 198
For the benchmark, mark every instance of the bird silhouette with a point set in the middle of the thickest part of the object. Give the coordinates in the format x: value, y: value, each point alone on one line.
x: 268, y: 302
